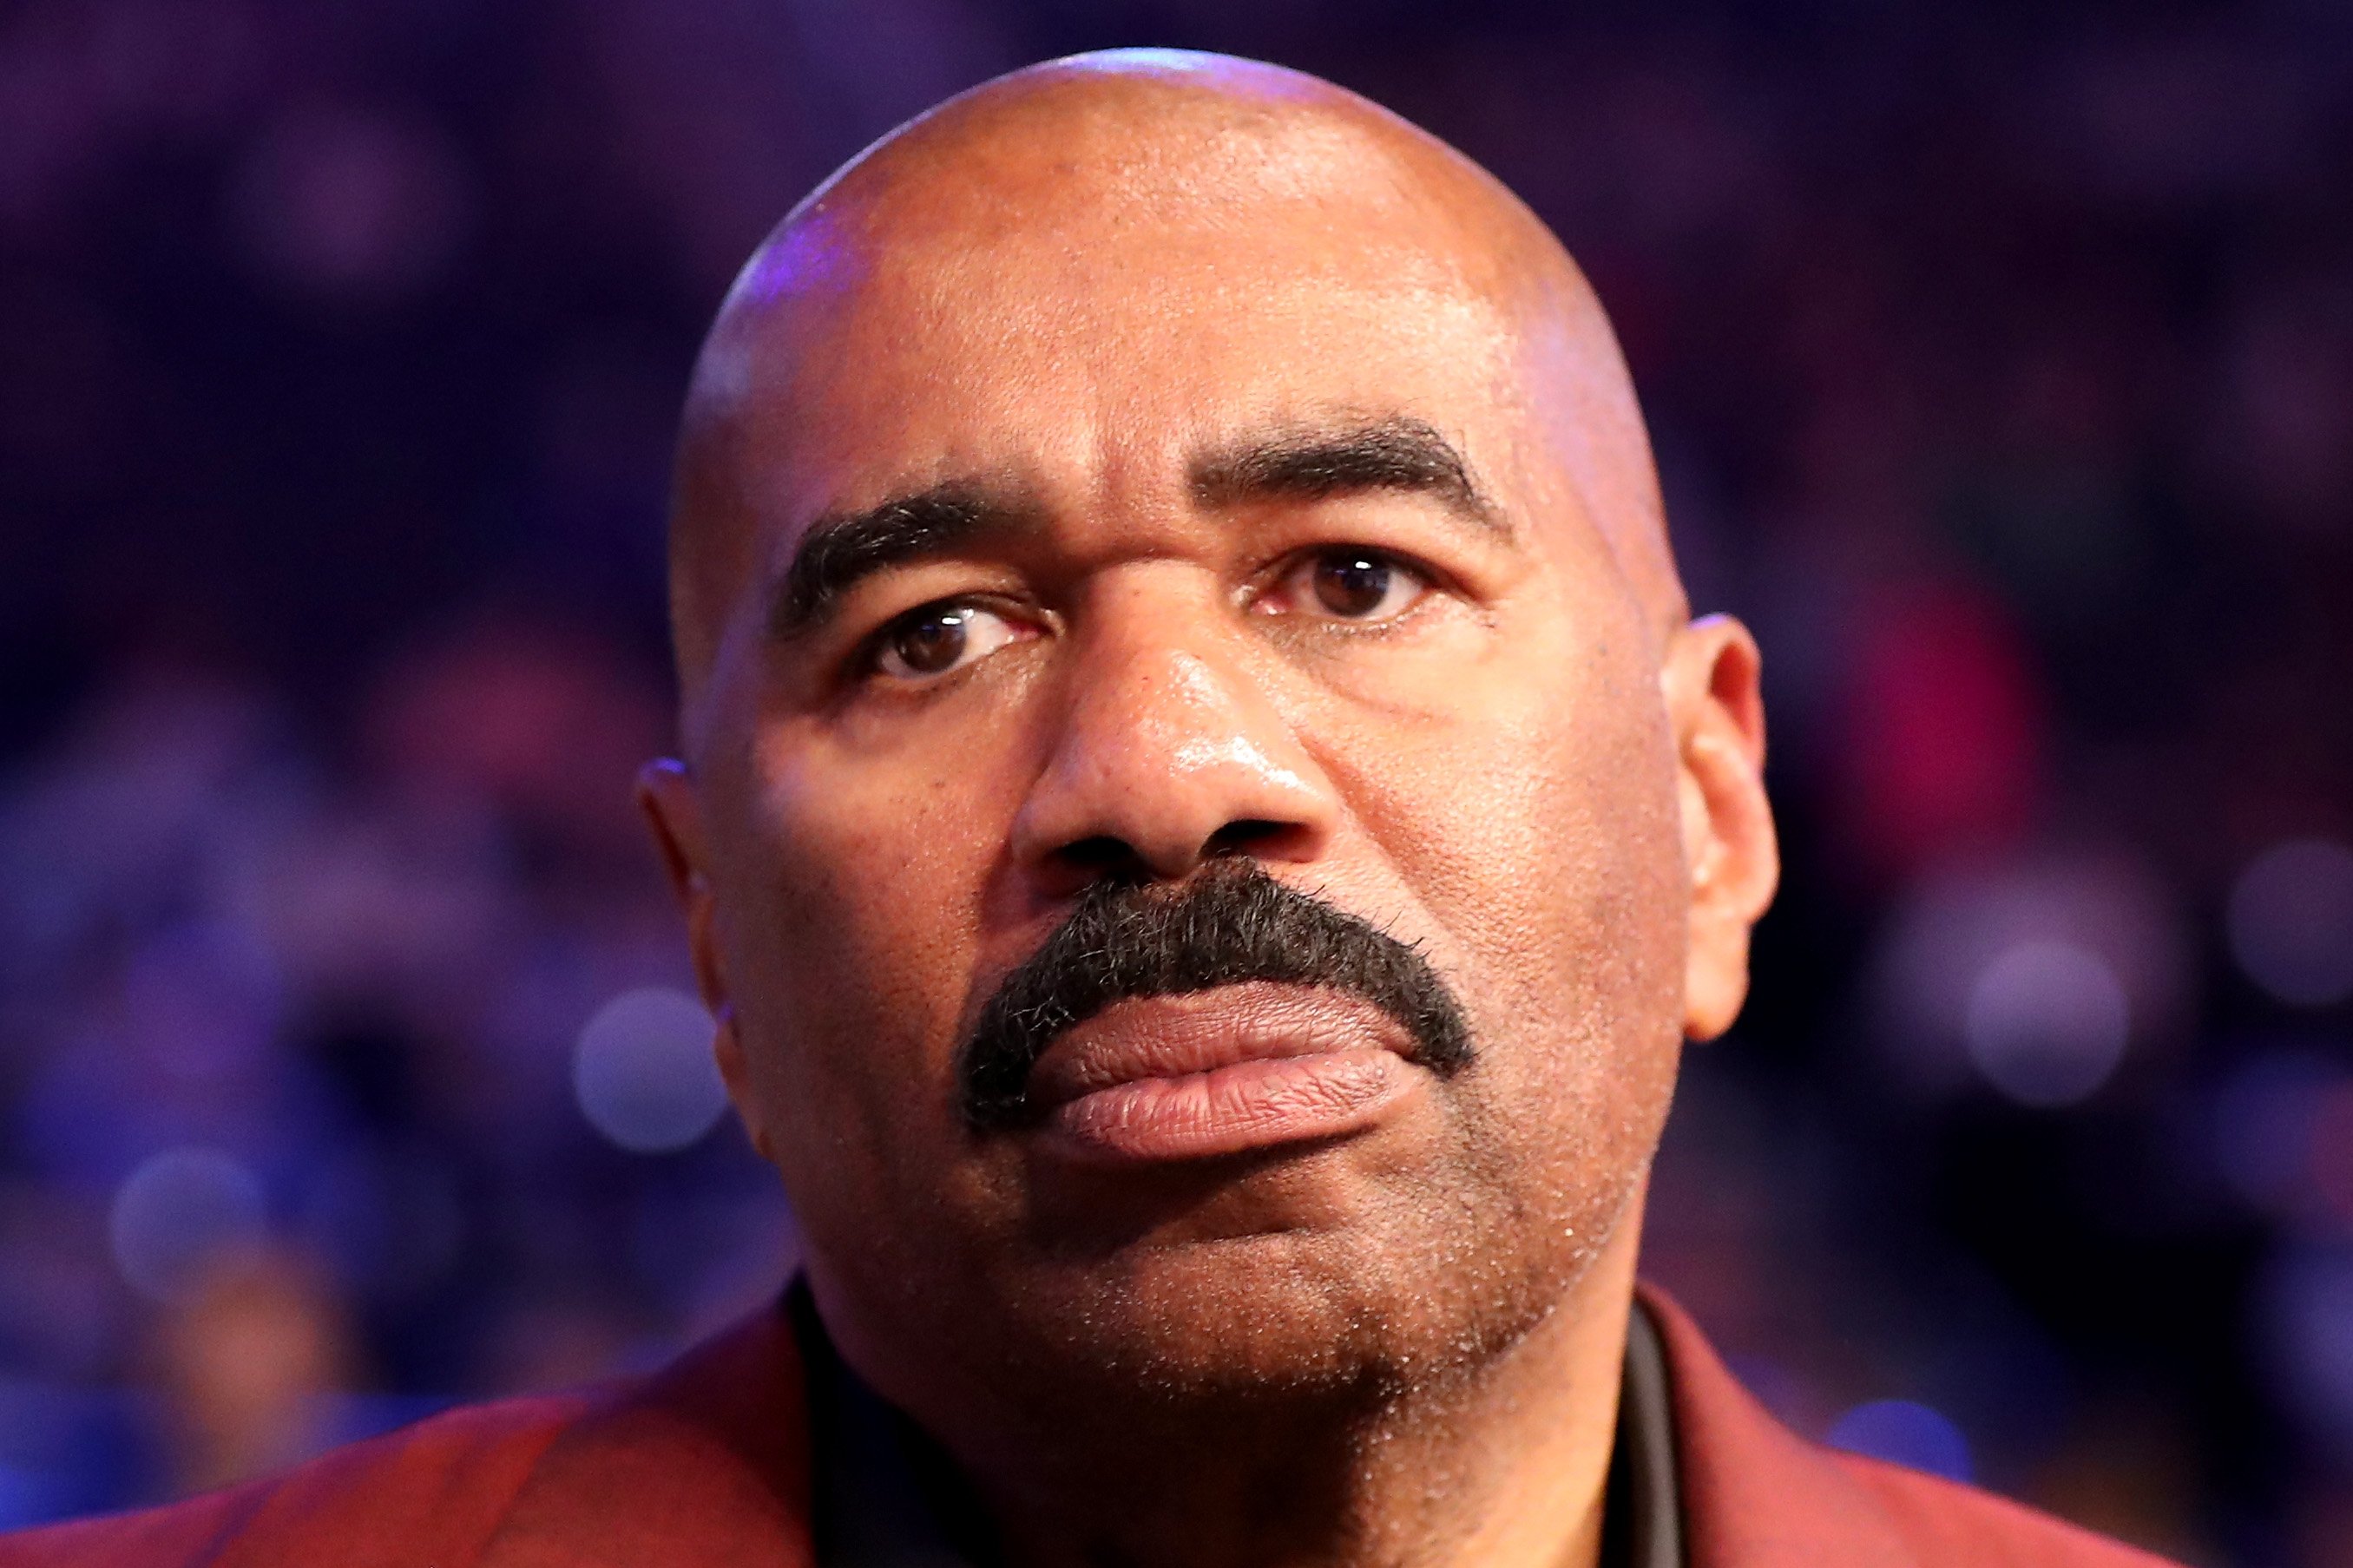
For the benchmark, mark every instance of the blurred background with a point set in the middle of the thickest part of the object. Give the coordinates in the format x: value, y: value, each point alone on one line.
x: 2000, y: 363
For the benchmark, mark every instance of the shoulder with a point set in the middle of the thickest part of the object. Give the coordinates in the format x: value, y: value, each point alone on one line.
x: 1755, y: 1495
x: 1944, y: 1522
x: 706, y: 1462
x: 433, y: 1491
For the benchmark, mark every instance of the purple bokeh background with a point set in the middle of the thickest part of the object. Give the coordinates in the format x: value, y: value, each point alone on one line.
x: 2000, y: 363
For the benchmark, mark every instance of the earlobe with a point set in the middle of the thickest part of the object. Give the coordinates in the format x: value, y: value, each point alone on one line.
x: 1730, y: 853
x: 667, y: 794
x: 673, y: 810
x: 736, y: 1071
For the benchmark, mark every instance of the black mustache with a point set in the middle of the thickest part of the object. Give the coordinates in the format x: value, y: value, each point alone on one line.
x: 1232, y: 923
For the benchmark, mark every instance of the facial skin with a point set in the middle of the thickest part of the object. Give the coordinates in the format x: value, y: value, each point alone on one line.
x: 1164, y: 360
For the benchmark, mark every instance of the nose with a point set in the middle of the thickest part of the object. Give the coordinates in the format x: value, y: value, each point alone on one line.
x: 1170, y: 754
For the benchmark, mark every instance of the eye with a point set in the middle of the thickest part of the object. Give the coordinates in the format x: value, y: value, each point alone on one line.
x: 1350, y: 583
x: 939, y: 639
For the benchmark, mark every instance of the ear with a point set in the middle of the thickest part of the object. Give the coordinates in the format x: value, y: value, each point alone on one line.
x: 673, y: 809
x: 1711, y: 684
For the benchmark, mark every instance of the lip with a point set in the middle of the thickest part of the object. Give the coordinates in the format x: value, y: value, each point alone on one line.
x: 1220, y: 1072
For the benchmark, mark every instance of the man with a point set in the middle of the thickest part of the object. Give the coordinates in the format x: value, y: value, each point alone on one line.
x: 1204, y: 822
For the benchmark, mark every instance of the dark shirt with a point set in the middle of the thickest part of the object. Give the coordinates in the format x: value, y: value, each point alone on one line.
x: 885, y: 1496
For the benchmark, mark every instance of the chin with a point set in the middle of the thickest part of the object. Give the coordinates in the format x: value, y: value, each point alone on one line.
x: 1341, y: 1314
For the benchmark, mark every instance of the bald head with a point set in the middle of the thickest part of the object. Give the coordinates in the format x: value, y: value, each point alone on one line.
x: 1095, y: 197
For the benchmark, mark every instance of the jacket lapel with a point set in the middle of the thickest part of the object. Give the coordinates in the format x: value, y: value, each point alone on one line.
x: 706, y: 1463
x: 1755, y: 1495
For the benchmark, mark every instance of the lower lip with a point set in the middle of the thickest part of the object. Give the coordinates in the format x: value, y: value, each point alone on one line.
x: 1235, y: 1109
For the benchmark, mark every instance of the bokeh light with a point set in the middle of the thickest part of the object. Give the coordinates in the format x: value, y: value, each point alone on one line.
x: 2291, y: 922
x: 2305, y: 1321
x: 2031, y: 974
x: 180, y: 1215
x: 2265, y: 1117
x: 1905, y: 1432
x: 643, y: 1071
x: 2047, y: 1023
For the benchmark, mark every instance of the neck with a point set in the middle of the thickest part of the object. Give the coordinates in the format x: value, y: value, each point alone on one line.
x: 1503, y: 1464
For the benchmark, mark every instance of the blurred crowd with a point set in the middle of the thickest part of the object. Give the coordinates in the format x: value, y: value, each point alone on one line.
x: 1999, y: 360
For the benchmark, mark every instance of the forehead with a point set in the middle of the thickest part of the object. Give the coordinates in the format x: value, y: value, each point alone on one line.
x: 1069, y: 322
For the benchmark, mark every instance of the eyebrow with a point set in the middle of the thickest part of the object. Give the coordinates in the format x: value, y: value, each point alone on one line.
x: 843, y: 549
x: 1397, y: 454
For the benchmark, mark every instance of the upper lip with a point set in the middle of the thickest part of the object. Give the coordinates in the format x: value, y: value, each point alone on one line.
x: 1170, y: 1036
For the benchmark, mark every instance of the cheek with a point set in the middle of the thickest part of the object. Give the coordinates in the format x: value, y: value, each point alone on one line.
x: 850, y: 917
x: 1535, y: 823
x: 1534, y: 815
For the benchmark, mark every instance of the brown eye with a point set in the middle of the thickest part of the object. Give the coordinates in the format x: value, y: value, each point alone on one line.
x: 1349, y: 583
x: 939, y: 638
x: 1353, y: 584
x: 929, y: 644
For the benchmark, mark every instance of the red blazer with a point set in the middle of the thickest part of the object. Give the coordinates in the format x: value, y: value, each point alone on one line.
x: 707, y: 1463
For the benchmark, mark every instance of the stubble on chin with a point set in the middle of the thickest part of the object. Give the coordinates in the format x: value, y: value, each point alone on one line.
x: 1424, y: 1291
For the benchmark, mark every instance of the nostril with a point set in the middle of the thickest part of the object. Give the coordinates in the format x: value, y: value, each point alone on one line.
x: 1105, y: 858
x: 1245, y: 837
x: 1100, y: 858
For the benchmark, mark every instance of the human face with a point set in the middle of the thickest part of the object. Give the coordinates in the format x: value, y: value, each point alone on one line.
x: 1141, y: 636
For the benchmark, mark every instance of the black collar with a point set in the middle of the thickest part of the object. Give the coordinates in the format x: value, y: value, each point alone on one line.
x: 1643, y: 1512
x: 884, y: 1495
